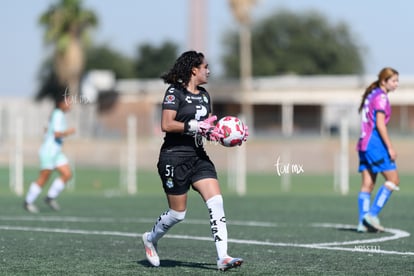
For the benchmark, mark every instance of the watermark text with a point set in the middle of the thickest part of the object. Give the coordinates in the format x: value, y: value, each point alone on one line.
x: 288, y: 168
x: 75, y: 99
x: 367, y: 247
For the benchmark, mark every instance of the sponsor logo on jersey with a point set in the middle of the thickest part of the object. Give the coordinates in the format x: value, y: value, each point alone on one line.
x: 205, y: 99
x: 190, y: 99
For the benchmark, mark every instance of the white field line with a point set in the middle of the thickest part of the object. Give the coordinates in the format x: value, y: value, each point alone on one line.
x: 129, y: 220
x: 396, y: 234
x: 67, y: 231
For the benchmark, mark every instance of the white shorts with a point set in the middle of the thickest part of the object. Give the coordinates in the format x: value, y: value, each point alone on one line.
x: 50, y: 158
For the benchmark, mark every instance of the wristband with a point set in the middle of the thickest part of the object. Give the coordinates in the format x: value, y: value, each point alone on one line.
x: 191, y: 126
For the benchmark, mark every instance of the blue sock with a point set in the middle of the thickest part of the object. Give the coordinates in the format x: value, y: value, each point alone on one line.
x: 364, y: 200
x: 381, y: 198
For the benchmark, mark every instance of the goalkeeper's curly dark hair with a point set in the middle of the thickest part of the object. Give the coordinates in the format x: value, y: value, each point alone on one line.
x: 180, y: 73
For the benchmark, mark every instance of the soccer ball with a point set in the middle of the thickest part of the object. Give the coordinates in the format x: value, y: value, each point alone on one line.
x: 233, y: 129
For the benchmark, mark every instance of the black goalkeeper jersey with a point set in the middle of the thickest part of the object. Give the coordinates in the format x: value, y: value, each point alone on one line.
x: 188, y: 106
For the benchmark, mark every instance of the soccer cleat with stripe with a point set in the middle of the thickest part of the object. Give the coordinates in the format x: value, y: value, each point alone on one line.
x: 228, y: 263
x: 150, y: 250
x: 373, y: 224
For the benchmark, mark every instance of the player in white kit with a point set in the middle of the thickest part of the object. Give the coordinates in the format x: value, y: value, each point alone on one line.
x: 52, y: 158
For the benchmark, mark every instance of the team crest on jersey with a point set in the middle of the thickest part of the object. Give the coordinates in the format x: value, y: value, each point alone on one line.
x: 169, y: 99
x: 205, y: 99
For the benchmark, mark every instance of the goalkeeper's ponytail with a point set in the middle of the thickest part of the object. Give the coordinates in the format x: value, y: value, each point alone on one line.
x: 180, y: 73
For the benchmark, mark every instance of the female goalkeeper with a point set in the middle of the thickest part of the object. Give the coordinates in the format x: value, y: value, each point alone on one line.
x: 183, y: 162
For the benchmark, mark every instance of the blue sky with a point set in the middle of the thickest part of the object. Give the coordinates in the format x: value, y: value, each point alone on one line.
x: 384, y: 28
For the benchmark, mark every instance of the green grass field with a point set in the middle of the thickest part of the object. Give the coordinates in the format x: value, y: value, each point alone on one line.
x: 308, y: 230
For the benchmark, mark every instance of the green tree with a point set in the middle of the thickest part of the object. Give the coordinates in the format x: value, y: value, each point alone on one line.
x: 152, y: 61
x: 289, y: 43
x: 104, y: 57
x: 65, y: 26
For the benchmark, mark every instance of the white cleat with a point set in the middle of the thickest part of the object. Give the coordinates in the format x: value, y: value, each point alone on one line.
x: 52, y: 203
x: 361, y: 228
x: 373, y: 224
x: 228, y: 263
x: 150, y: 250
x: 31, y: 208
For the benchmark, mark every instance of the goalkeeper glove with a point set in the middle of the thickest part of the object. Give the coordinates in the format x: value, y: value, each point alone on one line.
x: 205, y: 128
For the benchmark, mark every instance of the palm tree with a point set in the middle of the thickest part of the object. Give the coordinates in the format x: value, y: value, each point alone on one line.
x: 66, y: 23
x: 241, y: 11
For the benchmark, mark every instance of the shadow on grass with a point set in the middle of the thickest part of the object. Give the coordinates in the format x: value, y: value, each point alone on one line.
x: 354, y: 229
x: 349, y: 229
x: 175, y: 263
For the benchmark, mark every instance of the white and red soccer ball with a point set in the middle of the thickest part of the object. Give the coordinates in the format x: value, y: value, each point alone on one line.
x: 233, y: 129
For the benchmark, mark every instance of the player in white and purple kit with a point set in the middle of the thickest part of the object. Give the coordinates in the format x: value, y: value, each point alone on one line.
x: 376, y: 153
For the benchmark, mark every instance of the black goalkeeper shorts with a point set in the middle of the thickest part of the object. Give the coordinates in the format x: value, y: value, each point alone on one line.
x: 179, y: 171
